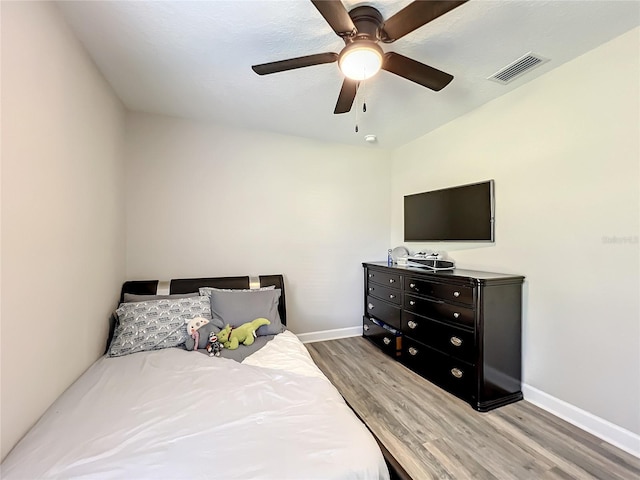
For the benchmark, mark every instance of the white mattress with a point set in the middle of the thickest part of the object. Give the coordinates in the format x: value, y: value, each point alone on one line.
x: 171, y: 414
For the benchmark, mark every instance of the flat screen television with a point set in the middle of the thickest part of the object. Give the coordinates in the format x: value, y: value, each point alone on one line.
x: 462, y: 213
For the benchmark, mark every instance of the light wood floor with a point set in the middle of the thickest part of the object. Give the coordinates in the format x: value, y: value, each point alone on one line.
x: 434, y: 435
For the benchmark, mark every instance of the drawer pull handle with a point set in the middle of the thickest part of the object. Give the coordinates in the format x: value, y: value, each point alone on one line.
x: 456, y: 315
x: 411, y: 324
x: 412, y: 285
x: 392, y: 296
x: 455, y: 341
x: 371, y: 306
x: 391, y: 280
x: 371, y: 275
x: 456, y: 294
x: 413, y: 351
x: 412, y: 303
x: 371, y: 289
x: 386, y: 340
x: 456, y: 372
x: 366, y: 327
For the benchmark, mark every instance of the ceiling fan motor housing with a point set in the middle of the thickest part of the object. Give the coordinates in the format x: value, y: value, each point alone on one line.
x: 368, y: 22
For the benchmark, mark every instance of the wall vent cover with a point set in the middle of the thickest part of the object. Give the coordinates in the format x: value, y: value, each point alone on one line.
x: 519, y: 67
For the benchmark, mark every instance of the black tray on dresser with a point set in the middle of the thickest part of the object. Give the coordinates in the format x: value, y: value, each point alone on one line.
x: 460, y: 329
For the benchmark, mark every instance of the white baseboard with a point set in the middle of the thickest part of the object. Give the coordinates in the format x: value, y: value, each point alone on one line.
x: 601, y: 428
x: 330, y: 334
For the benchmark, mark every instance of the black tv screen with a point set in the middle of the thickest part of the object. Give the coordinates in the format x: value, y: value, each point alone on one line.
x: 462, y: 213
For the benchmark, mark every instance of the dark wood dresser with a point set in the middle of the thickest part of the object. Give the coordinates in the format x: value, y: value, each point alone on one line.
x: 460, y: 329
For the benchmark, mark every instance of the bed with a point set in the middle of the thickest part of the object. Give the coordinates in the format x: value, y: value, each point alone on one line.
x: 175, y: 413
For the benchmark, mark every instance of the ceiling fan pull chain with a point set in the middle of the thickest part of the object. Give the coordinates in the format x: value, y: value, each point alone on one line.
x: 356, y: 99
x: 364, y: 97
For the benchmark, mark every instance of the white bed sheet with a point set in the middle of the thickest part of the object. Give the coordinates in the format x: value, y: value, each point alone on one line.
x: 173, y: 414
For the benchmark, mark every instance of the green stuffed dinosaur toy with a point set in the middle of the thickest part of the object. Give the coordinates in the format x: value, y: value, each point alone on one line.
x: 232, y: 337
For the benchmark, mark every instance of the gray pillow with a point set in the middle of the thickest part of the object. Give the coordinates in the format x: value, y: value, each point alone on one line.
x: 156, y: 324
x: 207, y: 290
x: 236, y: 307
x: 134, y: 297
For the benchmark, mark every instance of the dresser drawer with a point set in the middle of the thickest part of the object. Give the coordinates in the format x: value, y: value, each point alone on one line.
x: 383, y: 278
x: 384, y: 293
x: 389, y: 342
x: 439, y: 310
x: 452, y: 374
x: 456, y: 342
x: 388, y: 313
x: 449, y: 293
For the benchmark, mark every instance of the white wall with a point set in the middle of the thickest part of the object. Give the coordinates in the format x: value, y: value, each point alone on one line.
x: 204, y: 200
x: 63, y: 242
x: 564, y: 152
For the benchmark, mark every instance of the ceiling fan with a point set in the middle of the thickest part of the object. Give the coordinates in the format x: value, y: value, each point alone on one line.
x: 362, y: 29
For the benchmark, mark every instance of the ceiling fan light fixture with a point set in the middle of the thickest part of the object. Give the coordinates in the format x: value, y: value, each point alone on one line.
x: 360, y: 60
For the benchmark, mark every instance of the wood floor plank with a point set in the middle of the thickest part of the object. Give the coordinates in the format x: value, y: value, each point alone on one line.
x: 435, y: 435
x: 558, y: 474
x: 458, y: 463
x: 537, y: 446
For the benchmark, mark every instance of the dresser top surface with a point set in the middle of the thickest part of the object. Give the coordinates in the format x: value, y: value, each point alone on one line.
x: 458, y: 272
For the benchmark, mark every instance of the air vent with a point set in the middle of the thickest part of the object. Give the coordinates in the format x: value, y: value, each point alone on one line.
x: 519, y: 67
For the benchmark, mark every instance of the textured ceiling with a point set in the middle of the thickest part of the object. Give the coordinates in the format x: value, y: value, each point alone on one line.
x: 193, y: 60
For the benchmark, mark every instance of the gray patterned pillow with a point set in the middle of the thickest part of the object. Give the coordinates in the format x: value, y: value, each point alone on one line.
x: 133, y: 297
x: 156, y: 324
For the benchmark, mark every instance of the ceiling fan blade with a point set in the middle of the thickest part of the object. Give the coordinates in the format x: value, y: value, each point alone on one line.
x: 415, y: 71
x: 336, y: 16
x: 414, y: 16
x: 347, y: 95
x: 293, y: 63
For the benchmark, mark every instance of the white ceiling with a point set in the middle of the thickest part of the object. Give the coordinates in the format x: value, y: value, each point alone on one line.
x: 193, y: 59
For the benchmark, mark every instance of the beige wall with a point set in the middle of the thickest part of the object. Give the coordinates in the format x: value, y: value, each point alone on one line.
x: 63, y: 242
x: 564, y: 152
x: 205, y: 200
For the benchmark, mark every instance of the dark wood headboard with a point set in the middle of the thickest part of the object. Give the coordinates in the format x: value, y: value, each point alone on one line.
x: 191, y: 285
